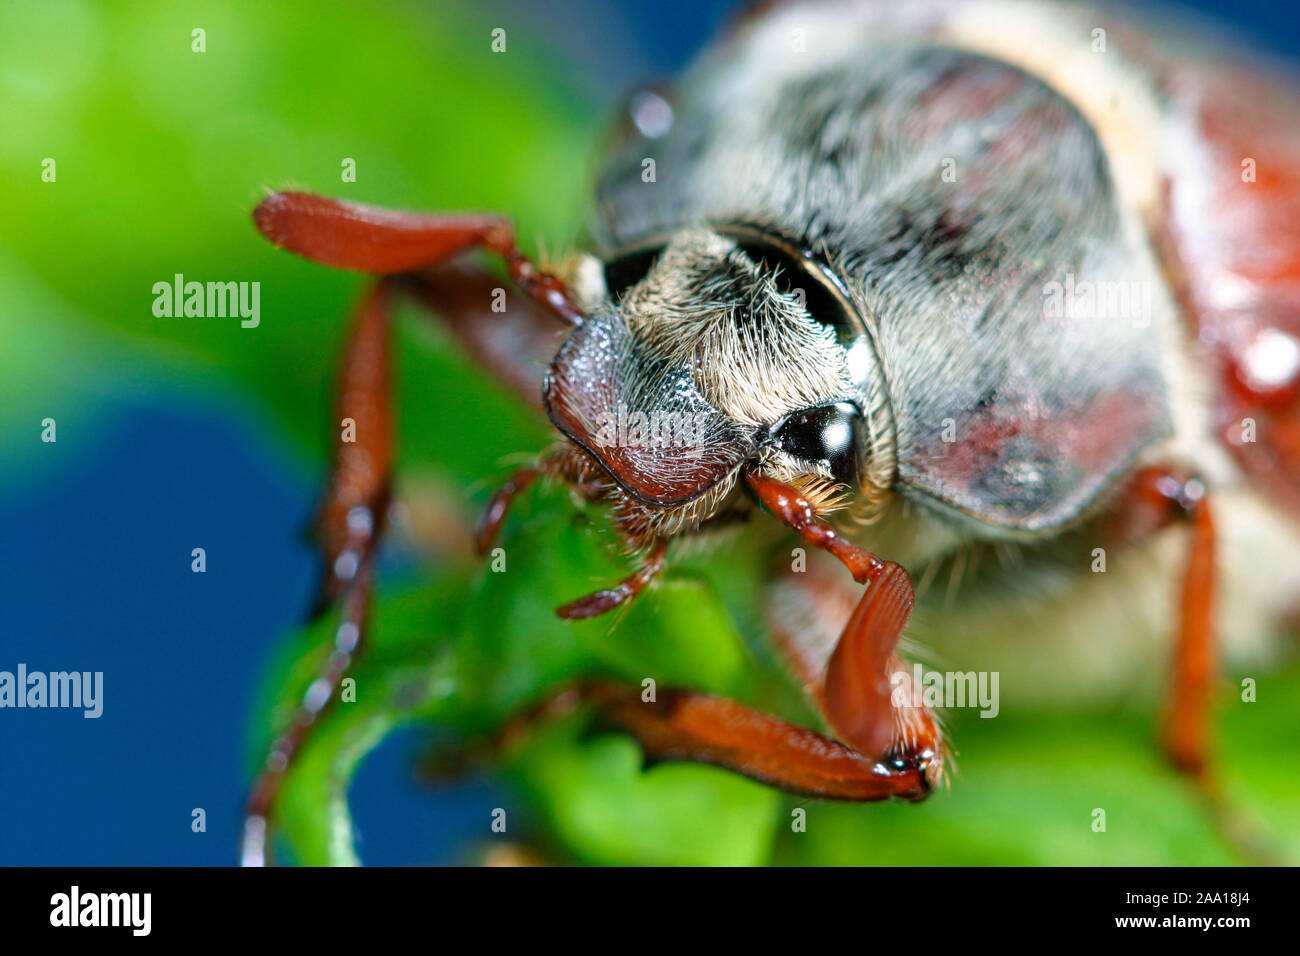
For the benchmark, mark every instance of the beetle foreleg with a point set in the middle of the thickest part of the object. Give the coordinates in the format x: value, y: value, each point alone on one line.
x: 513, y: 340
x: 686, y: 725
x: 350, y: 235
x: 349, y: 523
x: 562, y: 462
x: 794, y: 510
x: 865, y: 693
x: 702, y: 728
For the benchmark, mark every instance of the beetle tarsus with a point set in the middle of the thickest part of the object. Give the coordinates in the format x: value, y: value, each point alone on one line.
x: 792, y: 509
x: 601, y: 602
x: 348, y: 641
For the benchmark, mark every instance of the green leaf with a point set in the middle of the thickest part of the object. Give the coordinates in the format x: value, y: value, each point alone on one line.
x: 469, y: 655
x: 605, y: 809
x: 402, y: 673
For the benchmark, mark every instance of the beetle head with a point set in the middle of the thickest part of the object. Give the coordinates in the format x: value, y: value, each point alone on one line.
x: 704, y: 358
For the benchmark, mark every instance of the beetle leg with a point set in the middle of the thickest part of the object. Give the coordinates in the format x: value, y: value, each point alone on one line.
x: 600, y: 602
x: 514, y: 339
x: 494, y: 515
x: 703, y: 728
x: 562, y: 462
x: 1187, y: 724
x: 348, y: 526
x: 571, y: 466
x: 1159, y: 497
x: 350, y: 235
x: 865, y: 693
x: 795, y: 511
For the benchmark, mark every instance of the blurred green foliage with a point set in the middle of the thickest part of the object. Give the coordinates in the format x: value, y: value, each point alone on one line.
x: 161, y: 154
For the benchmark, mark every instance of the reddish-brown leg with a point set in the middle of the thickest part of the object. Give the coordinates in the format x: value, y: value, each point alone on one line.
x: 350, y: 235
x: 858, y: 695
x: 570, y: 465
x: 593, y: 605
x: 1158, y: 497
x: 368, y: 239
x: 701, y: 728
x: 494, y: 515
x: 600, y: 602
x: 386, y: 242
x: 792, y: 509
x: 684, y: 725
x: 1186, y: 732
x: 513, y: 341
x: 348, y: 526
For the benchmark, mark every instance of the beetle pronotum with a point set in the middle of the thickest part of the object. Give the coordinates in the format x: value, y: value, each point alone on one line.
x: 954, y: 277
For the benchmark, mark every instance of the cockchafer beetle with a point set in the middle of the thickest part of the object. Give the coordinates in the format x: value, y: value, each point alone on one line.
x: 982, y: 286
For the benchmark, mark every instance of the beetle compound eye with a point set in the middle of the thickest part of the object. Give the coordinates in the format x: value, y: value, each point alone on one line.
x: 828, y: 434
x: 626, y: 271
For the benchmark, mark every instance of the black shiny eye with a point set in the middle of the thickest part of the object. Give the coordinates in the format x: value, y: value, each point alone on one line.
x: 829, y: 434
